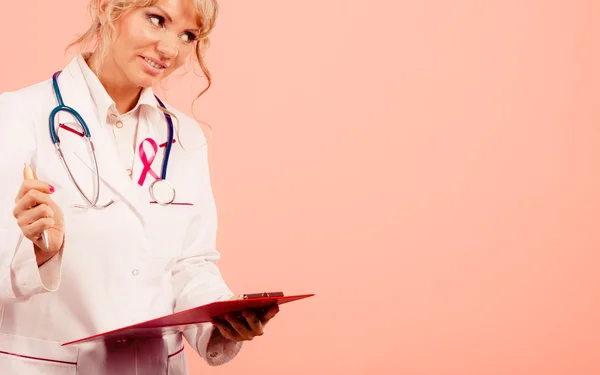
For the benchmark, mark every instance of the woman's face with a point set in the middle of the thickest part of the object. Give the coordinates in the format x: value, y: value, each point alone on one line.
x: 152, y: 42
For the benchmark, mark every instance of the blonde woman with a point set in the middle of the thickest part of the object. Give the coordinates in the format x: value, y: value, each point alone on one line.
x: 116, y: 231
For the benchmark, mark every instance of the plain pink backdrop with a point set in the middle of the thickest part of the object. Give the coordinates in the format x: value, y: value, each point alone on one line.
x: 428, y: 168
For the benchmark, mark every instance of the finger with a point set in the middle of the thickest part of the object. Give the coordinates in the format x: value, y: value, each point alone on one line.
x: 31, y: 199
x: 255, y: 324
x: 28, y: 185
x: 240, y: 326
x: 270, y: 314
x: 225, y: 329
x: 35, y: 229
x: 41, y: 211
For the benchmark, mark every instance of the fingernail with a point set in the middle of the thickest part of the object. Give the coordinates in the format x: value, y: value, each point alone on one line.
x: 51, y: 188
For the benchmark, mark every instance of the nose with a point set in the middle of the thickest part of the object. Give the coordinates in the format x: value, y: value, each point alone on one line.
x: 167, y: 48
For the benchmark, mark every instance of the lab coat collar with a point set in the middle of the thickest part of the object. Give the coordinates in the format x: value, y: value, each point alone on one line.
x: 104, y: 103
x: 76, y: 94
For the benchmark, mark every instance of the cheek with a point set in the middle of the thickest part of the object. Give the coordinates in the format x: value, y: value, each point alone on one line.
x: 181, y: 58
x: 136, y: 35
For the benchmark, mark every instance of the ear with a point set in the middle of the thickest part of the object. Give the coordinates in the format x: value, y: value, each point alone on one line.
x: 101, y: 7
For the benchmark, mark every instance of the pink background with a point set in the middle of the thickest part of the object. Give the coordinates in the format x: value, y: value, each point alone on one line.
x: 428, y: 168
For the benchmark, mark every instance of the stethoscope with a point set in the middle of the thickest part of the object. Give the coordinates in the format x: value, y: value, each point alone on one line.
x: 161, y: 191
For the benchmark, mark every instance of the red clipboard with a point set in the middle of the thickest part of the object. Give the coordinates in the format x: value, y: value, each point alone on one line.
x: 178, y: 322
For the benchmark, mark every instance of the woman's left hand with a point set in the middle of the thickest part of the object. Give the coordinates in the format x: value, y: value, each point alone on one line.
x: 246, y: 326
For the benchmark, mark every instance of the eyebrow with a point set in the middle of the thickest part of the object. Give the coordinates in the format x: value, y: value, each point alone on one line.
x: 168, y: 17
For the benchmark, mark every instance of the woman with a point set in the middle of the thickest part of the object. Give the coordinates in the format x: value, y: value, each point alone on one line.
x: 133, y: 260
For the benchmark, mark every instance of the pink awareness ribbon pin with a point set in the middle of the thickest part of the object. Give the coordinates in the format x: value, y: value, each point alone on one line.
x: 147, y: 163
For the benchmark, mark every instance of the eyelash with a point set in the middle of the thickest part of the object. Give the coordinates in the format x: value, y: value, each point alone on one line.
x: 161, y: 21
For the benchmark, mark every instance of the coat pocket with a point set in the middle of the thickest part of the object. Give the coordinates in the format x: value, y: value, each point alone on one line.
x: 26, y: 355
x: 167, y: 226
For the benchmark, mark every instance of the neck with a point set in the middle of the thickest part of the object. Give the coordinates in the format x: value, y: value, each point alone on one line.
x: 123, y: 94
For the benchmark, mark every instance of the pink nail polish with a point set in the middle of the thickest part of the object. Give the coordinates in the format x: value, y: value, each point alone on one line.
x: 51, y: 188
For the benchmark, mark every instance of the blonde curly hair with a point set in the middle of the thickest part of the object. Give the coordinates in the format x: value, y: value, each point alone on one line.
x: 100, y: 34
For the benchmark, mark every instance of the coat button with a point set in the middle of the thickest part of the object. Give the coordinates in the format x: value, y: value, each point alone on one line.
x: 119, y: 124
x: 129, y: 172
x: 134, y: 272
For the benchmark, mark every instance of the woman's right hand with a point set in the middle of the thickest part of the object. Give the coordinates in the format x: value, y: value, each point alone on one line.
x: 35, y: 212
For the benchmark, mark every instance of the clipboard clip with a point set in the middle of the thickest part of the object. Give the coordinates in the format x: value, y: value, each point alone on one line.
x: 262, y: 295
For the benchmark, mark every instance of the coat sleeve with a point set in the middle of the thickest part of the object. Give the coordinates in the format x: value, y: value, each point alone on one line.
x: 20, y: 277
x: 196, y: 278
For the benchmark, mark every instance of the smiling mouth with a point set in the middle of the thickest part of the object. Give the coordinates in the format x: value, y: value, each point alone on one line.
x: 153, y: 64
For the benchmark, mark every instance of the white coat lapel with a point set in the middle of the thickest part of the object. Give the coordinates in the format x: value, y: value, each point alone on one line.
x: 75, y: 94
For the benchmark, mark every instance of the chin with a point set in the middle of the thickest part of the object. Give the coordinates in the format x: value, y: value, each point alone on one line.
x: 146, y: 84
x: 142, y: 81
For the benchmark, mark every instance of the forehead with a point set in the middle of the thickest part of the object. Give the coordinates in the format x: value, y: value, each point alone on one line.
x: 181, y: 11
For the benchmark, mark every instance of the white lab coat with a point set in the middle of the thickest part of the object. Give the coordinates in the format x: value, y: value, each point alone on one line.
x: 128, y: 263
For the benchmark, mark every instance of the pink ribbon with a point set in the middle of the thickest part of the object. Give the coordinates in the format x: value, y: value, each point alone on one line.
x: 147, y: 163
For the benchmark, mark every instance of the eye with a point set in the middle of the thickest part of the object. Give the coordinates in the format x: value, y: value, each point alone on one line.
x: 156, y: 20
x: 189, y: 37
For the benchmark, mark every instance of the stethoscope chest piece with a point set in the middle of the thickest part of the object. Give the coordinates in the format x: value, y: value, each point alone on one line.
x: 162, y: 192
